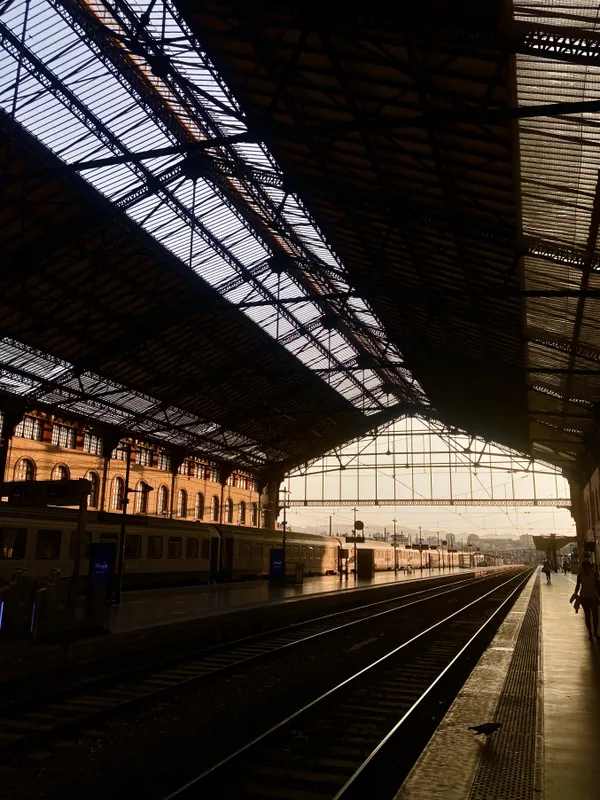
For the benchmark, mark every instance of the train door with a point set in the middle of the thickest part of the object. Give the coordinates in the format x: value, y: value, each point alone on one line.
x: 227, y: 562
x: 214, y: 558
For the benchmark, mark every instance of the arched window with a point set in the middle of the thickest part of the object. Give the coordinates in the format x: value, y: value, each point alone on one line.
x: 60, y: 473
x: 182, y: 503
x: 242, y: 513
x: 214, y: 508
x: 199, y: 506
x: 255, y: 515
x: 25, y: 470
x: 118, y: 493
x: 229, y: 513
x: 142, y: 491
x: 162, y: 501
x: 94, y: 489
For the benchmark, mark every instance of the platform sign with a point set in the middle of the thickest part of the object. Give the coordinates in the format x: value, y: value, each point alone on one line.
x: 102, y: 560
x: 45, y: 493
x: 277, y: 565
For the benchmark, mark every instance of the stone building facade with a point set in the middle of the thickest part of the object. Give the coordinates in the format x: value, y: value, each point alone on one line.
x: 161, y: 482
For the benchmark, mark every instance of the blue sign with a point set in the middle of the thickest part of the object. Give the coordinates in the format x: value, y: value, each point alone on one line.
x: 277, y: 565
x: 102, y: 559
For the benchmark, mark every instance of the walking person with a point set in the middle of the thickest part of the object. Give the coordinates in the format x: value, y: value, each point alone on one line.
x: 565, y: 566
x: 546, y: 569
x: 587, y: 590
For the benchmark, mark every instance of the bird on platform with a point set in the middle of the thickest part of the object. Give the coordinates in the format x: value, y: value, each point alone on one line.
x: 486, y: 729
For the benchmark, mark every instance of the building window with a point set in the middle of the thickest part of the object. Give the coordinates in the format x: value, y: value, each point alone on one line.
x: 255, y: 515
x: 119, y: 453
x: 182, y: 503
x: 92, y: 444
x: 199, y: 471
x: 30, y: 428
x: 214, y: 475
x: 118, y: 493
x: 142, y: 491
x: 63, y: 436
x: 174, y: 547
x: 162, y: 502
x: 94, y: 489
x: 199, y: 506
x: 60, y: 473
x: 143, y: 456
x: 164, y: 462
x: 184, y: 468
x: 242, y: 513
x: 214, y: 508
x: 25, y: 470
x: 229, y: 513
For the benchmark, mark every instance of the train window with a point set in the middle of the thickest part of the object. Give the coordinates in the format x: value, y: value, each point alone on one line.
x: 155, y: 547
x: 192, y: 547
x: 205, y: 547
x: 303, y: 551
x: 246, y: 549
x: 108, y: 537
x: 12, y: 542
x: 133, y: 545
x: 257, y: 550
x: 48, y: 544
x: 174, y: 547
x: 85, y: 546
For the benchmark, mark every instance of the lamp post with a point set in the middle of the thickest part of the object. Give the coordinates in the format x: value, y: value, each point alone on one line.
x: 123, y: 535
x: 420, y: 549
x: 395, y: 548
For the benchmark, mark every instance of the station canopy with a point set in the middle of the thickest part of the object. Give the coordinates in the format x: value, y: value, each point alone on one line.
x: 255, y: 230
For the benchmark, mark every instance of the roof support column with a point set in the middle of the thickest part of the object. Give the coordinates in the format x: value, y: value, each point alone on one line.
x: 13, y: 410
x: 578, y: 514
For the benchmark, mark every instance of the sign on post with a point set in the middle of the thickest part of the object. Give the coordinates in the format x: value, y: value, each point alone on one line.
x: 45, y: 493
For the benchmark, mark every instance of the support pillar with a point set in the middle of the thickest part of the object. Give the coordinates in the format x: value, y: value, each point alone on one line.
x: 269, y: 502
x: 579, y: 517
x: 110, y: 440
x: 225, y: 471
x: 177, y: 457
x: 13, y: 410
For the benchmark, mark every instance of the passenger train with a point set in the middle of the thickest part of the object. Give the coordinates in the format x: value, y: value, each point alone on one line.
x: 161, y: 552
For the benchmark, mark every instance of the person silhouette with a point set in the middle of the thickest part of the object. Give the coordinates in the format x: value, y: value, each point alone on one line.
x: 546, y: 569
x: 587, y: 590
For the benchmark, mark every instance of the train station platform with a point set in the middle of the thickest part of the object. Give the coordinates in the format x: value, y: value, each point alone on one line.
x: 143, y: 609
x: 539, y: 678
x: 175, y: 620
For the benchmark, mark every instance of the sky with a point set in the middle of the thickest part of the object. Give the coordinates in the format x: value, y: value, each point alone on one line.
x: 414, y: 459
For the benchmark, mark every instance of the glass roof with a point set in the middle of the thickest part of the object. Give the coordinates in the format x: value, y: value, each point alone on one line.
x: 100, y: 80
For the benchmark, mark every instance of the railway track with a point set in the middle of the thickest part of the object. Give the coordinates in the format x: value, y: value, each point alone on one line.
x: 342, y: 743
x: 61, y: 713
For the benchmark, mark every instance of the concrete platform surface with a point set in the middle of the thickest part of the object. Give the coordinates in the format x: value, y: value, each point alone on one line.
x: 164, y: 606
x: 571, y: 700
x: 564, y: 718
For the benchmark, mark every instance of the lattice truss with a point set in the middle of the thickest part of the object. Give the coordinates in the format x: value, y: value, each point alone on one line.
x: 123, y: 94
x: 421, y: 462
